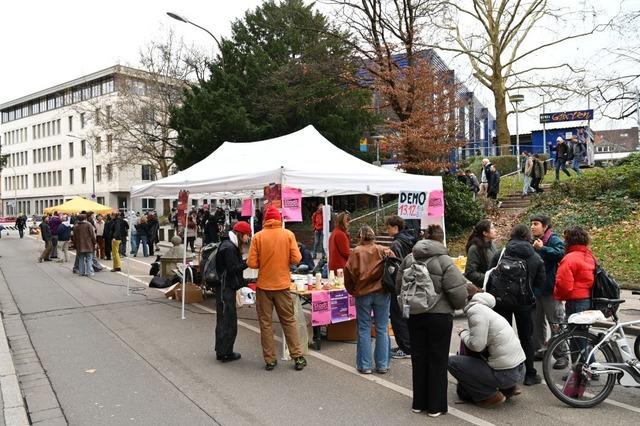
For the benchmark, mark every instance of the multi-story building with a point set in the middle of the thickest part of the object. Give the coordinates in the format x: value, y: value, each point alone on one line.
x: 56, y: 149
x: 616, y: 141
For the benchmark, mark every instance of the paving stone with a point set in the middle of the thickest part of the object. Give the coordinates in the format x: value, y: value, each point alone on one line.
x: 41, y: 398
x: 42, y: 415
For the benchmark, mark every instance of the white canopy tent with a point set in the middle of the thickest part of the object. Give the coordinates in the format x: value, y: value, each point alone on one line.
x: 303, y: 159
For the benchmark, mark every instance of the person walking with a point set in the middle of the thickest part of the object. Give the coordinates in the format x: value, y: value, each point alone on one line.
x: 551, y: 249
x: 229, y: 266
x: 474, y: 185
x: 84, y: 240
x: 537, y: 174
x: 339, y: 243
x: 108, y: 236
x: 45, y: 234
x: 120, y: 229
x: 480, y: 251
x: 576, y: 272
x: 491, y: 366
x: 494, y: 184
x: 562, y: 156
x: 430, y: 332
x: 403, y: 241
x: 99, y: 224
x: 154, y: 227
x: 527, y: 172
x: 579, y: 150
x: 143, y: 236
x: 21, y: 223
x: 273, y: 251
x: 519, y: 248
x: 363, y: 280
x: 317, y: 223
x: 133, y: 220
x: 54, y: 221
x: 64, y: 235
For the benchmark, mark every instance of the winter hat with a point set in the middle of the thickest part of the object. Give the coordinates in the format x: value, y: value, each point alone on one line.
x: 559, y: 139
x: 272, y: 213
x: 242, y: 228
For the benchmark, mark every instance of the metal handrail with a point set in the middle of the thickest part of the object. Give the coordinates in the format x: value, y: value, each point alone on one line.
x: 395, y: 203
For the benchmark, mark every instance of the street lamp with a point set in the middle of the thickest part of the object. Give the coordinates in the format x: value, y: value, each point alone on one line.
x: 516, y: 99
x: 186, y: 21
x: 93, y: 172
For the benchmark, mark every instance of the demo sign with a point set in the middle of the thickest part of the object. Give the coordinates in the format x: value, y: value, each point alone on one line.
x: 412, y: 205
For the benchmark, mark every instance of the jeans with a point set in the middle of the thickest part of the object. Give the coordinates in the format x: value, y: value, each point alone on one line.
x: 578, y: 305
x: 478, y: 381
x: 430, y: 341
x: 135, y: 242
x: 123, y: 247
x: 547, y: 309
x: 318, y: 245
x: 378, y: 303
x: 524, y: 322
x: 561, y: 164
x: 575, y: 165
x: 85, y: 263
x: 527, y: 185
x: 145, y: 245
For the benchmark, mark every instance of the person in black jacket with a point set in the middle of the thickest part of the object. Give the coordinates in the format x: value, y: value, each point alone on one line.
x: 229, y: 267
x: 562, y: 156
x: 120, y: 231
x: 45, y: 233
x: 403, y: 241
x: 494, y: 183
x: 480, y: 252
x: 108, y: 236
x: 307, y: 257
x: 519, y: 246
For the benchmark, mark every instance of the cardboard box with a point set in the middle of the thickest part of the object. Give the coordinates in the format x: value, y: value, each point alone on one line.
x: 194, y: 293
x: 347, y: 330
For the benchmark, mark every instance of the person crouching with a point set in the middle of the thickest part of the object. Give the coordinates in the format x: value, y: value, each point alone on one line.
x: 229, y: 266
x: 494, y: 364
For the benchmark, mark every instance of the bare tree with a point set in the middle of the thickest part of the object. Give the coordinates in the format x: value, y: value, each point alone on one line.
x: 500, y: 37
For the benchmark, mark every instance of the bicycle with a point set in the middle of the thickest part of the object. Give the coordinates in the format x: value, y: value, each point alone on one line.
x: 594, y: 362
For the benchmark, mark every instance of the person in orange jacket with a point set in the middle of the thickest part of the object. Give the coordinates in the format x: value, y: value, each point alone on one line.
x: 317, y: 222
x: 273, y: 250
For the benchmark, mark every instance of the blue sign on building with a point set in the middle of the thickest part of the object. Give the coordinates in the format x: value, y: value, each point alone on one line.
x: 556, y: 117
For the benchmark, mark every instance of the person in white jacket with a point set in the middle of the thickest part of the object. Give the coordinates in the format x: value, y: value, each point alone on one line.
x: 489, y: 373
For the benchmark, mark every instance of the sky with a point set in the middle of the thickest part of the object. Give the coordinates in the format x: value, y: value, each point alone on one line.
x: 46, y: 42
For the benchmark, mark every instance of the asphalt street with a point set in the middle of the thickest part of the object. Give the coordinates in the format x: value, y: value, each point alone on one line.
x: 113, y: 358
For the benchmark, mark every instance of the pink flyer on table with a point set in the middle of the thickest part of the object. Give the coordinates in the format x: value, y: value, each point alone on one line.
x: 320, y: 308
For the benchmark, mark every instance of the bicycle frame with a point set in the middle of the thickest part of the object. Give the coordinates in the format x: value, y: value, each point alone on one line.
x: 629, y: 362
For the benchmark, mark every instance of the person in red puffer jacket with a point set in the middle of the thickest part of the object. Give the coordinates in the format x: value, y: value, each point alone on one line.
x: 576, y: 272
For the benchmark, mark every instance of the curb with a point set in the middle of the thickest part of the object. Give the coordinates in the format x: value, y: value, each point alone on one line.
x: 15, y: 412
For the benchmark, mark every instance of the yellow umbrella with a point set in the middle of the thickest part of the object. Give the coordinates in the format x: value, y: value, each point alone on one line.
x: 77, y: 205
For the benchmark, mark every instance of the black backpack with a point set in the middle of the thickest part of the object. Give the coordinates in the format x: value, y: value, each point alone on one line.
x: 391, y: 268
x: 509, y: 283
x: 604, y: 287
x: 208, y: 257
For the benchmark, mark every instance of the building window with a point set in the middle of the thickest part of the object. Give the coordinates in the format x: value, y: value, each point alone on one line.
x: 107, y: 87
x: 148, y: 204
x: 98, y: 173
x: 77, y: 95
x: 83, y: 175
x: 147, y: 172
x: 100, y: 200
x: 71, y: 123
x: 109, y: 143
x: 70, y: 149
x: 95, y: 90
x: 82, y: 120
x: 70, y: 176
x: 59, y: 152
x: 109, y: 172
x: 98, y: 116
x: 98, y: 145
x: 83, y: 147
x: 86, y: 93
x: 108, y: 113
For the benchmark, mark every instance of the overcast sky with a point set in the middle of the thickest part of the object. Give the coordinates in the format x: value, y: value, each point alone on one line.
x: 45, y: 42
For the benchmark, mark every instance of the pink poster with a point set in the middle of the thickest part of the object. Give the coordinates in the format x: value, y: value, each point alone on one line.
x: 436, y: 203
x: 291, y: 204
x: 246, y: 208
x: 320, y: 308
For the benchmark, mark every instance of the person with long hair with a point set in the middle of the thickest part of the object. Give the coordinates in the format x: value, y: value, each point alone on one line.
x: 339, y: 243
x: 576, y: 272
x: 363, y: 280
x: 430, y: 332
x: 480, y: 251
x: 230, y: 267
x: 519, y: 248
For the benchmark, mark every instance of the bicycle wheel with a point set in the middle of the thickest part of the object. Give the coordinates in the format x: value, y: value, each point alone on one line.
x: 572, y: 384
x: 636, y: 347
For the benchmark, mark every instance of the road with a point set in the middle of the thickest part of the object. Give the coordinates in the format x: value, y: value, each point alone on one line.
x: 86, y: 353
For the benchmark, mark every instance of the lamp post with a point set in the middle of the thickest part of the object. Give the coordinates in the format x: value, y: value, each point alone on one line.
x: 15, y: 191
x: 186, y: 21
x: 516, y: 99
x: 93, y: 172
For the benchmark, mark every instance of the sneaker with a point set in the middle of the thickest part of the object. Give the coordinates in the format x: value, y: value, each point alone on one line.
x: 365, y: 371
x: 382, y: 370
x: 561, y: 364
x: 439, y: 413
x: 539, y: 355
x: 270, y: 365
x: 116, y: 270
x: 399, y: 354
x: 492, y: 402
x: 511, y: 392
x: 532, y: 380
x: 300, y: 363
x: 416, y: 410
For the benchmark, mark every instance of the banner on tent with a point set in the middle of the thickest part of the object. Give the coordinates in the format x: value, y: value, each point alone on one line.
x: 273, y: 195
x: 412, y: 205
x: 291, y: 204
x: 436, y: 204
x: 183, y: 199
x: 246, y: 208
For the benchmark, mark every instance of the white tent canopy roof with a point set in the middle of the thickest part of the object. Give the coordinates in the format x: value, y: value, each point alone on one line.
x: 303, y: 159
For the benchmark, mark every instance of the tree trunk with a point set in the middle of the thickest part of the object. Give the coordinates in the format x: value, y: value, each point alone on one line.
x: 166, y: 207
x: 502, y: 128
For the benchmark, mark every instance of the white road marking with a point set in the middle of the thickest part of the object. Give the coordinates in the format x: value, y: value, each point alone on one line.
x: 375, y: 379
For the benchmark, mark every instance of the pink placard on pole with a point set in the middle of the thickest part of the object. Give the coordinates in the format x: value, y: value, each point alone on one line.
x: 246, y: 208
x: 320, y: 308
x: 436, y: 203
x: 291, y: 204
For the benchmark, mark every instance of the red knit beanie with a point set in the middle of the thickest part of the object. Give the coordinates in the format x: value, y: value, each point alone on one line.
x: 242, y: 228
x: 272, y: 213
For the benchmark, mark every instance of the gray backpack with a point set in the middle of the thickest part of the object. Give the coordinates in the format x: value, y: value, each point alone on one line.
x: 417, y: 294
